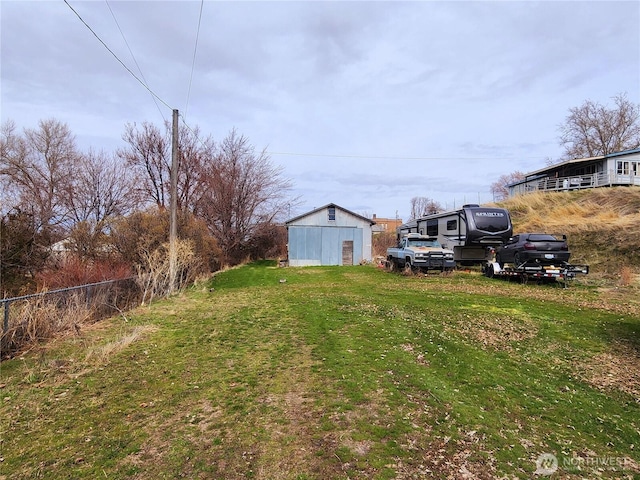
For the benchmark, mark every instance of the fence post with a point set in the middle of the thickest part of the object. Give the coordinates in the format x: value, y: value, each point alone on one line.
x: 88, y: 296
x: 5, y: 323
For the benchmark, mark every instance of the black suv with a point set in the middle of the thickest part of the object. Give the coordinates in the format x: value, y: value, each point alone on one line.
x: 539, y: 247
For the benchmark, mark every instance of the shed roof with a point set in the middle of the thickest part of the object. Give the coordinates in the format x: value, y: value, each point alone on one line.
x: 371, y: 222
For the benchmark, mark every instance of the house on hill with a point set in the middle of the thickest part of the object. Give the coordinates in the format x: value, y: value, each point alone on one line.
x: 614, y: 169
x: 329, y: 235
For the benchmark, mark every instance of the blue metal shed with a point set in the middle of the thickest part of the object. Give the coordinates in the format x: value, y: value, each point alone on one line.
x: 329, y: 235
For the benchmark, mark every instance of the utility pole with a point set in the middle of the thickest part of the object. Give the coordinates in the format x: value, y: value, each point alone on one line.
x: 173, y: 219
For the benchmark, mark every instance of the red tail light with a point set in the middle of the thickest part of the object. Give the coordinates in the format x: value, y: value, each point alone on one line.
x: 564, y: 247
x: 529, y: 246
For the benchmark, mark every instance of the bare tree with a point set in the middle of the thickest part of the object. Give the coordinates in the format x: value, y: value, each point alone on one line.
x: 39, y: 167
x: 195, y: 151
x: 148, y: 154
x: 500, y: 188
x: 102, y: 189
x: 12, y: 150
x: 593, y: 129
x: 421, y: 206
x: 244, y: 191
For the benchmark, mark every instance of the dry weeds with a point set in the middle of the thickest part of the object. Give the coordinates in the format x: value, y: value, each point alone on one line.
x: 40, y: 319
x: 602, y: 225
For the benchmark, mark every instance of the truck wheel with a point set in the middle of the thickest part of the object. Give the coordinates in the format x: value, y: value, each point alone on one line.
x: 408, y: 268
x: 489, y: 271
x: 391, y: 264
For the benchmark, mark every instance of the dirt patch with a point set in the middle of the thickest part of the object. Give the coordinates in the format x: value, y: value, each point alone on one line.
x: 618, y: 369
x: 446, y: 458
x: 620, y: 299
x: 496, y: 328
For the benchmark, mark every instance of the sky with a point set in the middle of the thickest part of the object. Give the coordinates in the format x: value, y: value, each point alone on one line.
x: 364, y: 104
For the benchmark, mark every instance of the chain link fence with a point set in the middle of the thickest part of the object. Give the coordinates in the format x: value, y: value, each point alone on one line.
x: 34, y: 318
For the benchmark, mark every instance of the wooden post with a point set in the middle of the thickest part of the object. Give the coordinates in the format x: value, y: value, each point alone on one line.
x: 173, y: 220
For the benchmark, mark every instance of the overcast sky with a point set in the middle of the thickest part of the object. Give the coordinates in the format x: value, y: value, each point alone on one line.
x: 363, y: 104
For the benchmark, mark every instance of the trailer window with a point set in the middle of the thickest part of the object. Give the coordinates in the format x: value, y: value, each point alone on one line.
x: 452, y: 224
x: 489, y: 220
x: 432, y: 228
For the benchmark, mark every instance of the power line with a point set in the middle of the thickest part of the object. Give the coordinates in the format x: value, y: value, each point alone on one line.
x: 394, y: 157
x: 133, y: 57
x: 153, y: 94
x: 116, y: 57
x: 193, y: 63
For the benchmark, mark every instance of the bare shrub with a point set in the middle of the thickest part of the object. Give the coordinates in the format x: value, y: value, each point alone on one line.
x: 71, y: 270
x: 154, y: 270
x: 136, y: 236
x: 381, y: 241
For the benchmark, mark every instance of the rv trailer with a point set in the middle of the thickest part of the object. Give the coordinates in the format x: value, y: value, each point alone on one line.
x: 469, y: 231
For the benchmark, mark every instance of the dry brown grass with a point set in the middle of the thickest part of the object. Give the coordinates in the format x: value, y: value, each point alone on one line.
x: 101, y: 354
x: 40, y: 318
x: 602, y: 225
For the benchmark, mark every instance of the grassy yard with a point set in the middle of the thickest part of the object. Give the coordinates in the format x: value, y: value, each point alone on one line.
x: 336, y: 372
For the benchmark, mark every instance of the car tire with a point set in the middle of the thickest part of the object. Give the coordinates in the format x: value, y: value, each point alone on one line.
x: 517, y: 260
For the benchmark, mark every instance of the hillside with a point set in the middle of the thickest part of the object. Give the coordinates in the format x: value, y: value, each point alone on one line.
x: 602, y: 225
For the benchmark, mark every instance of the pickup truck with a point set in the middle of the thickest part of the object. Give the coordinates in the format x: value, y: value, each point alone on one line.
x: 420, y: 253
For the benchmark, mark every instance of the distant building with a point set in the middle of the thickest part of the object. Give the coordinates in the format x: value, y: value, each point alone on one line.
x: 329, y: 235
x: 388, y: 225
x: 614, y: 169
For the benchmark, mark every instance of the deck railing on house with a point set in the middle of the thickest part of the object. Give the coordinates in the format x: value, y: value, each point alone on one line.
x: 602, y: 179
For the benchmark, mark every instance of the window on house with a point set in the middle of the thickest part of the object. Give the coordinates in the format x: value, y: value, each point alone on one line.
x: 623, y: 168
x: 332, y: 213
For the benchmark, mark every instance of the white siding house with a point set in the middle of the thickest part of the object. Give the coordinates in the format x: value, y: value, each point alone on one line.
x: 329, y: 235
x: 614, y: 169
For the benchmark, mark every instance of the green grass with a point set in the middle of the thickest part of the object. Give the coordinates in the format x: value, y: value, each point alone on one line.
x: 333, y: 372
